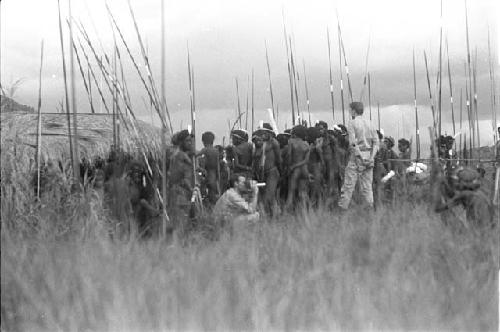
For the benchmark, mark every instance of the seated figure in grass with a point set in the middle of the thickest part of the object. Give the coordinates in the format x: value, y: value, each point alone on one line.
x: 237, y: 207
x: 478, y: 208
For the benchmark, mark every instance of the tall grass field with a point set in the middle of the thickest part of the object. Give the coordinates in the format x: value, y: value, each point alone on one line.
x: 397, y: 268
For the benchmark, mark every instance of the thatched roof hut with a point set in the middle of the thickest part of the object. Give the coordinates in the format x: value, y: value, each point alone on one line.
x: 95, y: 136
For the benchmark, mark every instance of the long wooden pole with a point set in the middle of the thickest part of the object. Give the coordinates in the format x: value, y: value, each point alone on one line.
x: 440, y: 70
x: 164, y: 129
x: 76, y: 158
x: 345, y: 59
x: 331, y: 74
x: 290, y: 77
x: 246, y: 113
x: 307, y: 93
x: 469, y: 67
x: 68, y: 118
x: 253, y: 109
x: 430, y: 94
x: 238, y: 100
x: 269, y: 76
x: 296, y: 78
x: 474, y: 75
x: 39, y: 126
x: 417, y: 128
x: 491, y: 67
x: 341, y: 78
x: 369, y: 95
x: 451, y: 89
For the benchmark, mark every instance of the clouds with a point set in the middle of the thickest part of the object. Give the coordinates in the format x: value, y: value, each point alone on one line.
x: 226, y: 40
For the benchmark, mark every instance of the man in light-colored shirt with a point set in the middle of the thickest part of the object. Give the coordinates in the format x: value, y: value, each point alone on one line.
x: 233, y: 208
x: 363, y: 145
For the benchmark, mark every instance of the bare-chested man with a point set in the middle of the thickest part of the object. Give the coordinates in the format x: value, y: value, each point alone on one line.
x: 297, y: 161
x: 209, y: 160
x: 181, y: 178
x: 241, y: 153
x: 267, y: 164
x: 315, y: 165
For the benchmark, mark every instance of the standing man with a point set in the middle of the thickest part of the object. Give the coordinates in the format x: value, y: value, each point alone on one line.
x: 363, y: 145
x: 209, y: 159
x: 182, y: 180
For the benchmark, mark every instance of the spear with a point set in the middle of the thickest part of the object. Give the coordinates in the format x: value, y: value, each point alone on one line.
x: 345, y: 58
x: 39, y: 127
x: 115, y: 104
x: 366, y: 68
x: 369, y: 96
x: 295, y: 77
x: 474, y: 74
x: 492, y: 89
x: 461, y: 111
x: 417, y: 128
x: 76, y: 159
x: 430, y: 94
x: 246, y: 113
x: 307, y: 92
x: 451, y: 87
x: 378, y: 115
x: 82, y: 73
x: 290, y: 77
x: 193, y: 110
x: 440, y: 69
x: 471, y: 142
x: 469, y: 69
x: 253, y: 111
x: 331, y: 79
x: 61, y: 39
x: 238, y: 100
x: 341, y: 79
x: 269, y: 76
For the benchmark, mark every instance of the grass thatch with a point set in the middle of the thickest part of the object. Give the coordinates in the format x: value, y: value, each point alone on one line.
x: 95, y: 136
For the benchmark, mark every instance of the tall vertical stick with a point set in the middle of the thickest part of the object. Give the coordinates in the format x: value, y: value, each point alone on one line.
x: 474, y: 75
x: 253, y: 110
x: 369, y: 96
x: 440, y: 68
x: 246, y: 112
x: 430, y: 94
x: 290, y: 77
x: 238, y: 100
x: 270, y: 82
x: 307, y: 93
x: 470, y: 72
x: 39, y: 127
x: 451, y: 88
x: 341, y: 79
x: 164, y: 128
x: 331, y: 75
x: 417, y: 128
x: 378, y: 115
x: 76, y: 158
x: 68, y: 119
x: 345, y: 59
x: 461, y: 114
x: 491, y: 67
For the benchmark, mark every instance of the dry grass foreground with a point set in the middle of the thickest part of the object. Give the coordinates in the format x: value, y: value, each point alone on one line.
x: 401, y: 269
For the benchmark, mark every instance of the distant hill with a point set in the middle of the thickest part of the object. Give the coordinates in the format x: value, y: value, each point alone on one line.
x: 8, y: 105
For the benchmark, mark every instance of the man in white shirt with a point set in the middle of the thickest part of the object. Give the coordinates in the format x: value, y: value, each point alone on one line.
x: 237, y: 208
x: 363, y: 145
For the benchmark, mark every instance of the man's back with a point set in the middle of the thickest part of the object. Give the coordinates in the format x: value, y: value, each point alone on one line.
x: 361, y: 132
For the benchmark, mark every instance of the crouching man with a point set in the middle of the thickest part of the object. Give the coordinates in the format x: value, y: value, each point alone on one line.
x: 237, y: 207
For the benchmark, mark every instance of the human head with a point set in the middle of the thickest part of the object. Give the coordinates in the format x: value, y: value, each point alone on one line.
x: 207, y: 138
x: 283, y: 139
x: 239, y: 136
x: 403, y: 145
x: 389, y: 142
x: 257, y: 139
x: 313, y: 133
x: 185, y: 141
x: 300, y: 132
x: 322, y: 126
x: 238, y: 182
x: 357, y: 108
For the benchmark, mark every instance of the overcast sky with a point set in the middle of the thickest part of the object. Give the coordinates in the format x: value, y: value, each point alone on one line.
x: 226, y: 40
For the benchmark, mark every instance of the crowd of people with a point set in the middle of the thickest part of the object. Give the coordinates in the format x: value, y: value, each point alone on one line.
x: 270, y: 172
